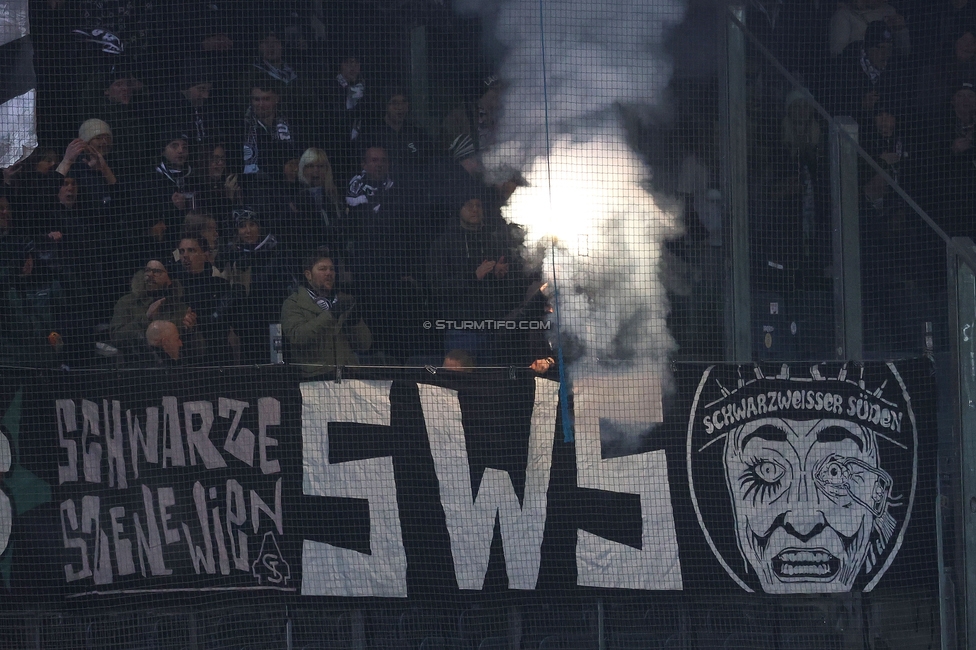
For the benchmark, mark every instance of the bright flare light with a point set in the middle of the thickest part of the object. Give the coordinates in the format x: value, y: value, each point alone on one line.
x: 599, y: 235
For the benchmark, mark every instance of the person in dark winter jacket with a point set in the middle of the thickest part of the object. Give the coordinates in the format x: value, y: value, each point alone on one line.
x: 314, y: 214
x: 868, y: 77
x: 31, y: 300
x: 171, y: 194
x: 211, y: 298
x: 258, y: 263
x: 408, y: 147
x: 268, y: 141
x: 473, y: 280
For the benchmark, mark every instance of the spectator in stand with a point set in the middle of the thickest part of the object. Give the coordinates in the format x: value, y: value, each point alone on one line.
x: 171, y: 194
x: 268, y: 140
x: 345, y: 110
x: 408, y: 147
x: 102, y: 202
x: 458, y: 360
x: 962, y: 66
x: 24, y: 182
x: 93, y: 146
x: 31, y: 300
x: 213, y: 29
x: 316, y: 212
x: 459, y: 179
x: 117, y: 101
x: 468, y: 131
x: 199, y: 224
x: 473, y: 279
x: 372, y: 200
x: 867, y: 77
x: 164, y: 339
x: 323, y: 328
x: 60, y: 230
x: 850, y: 22
x: 385, y: 244
x: 257, y: 262
x: 271, y: 60
x: 887, y: 234
x: 955, y: 169
x: 527, y: 347
x: 86, y: 38
x: 65, y: 217
x: 154, y: 296
x: 884, y: 142
x: 210, y: 297
x: 296, y: 91
x: 42, y: 160
x: 947, y: 17
x: 193, y: 112
x: 65, y: 241
x: 958, y: 65
x: 477, y: 119
x: 220, y: 190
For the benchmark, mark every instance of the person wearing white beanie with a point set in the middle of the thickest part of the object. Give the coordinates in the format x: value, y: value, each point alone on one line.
x: 89, y: 129
x: 95, y: 139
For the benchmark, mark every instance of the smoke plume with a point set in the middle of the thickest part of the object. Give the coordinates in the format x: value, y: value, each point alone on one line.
x: 568, y: 69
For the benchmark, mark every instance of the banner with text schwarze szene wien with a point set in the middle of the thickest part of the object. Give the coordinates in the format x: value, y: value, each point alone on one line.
x: 765, y: 479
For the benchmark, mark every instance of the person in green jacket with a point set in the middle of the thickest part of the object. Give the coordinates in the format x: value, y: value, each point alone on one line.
x: 323, y: 328
x: 154, y: 296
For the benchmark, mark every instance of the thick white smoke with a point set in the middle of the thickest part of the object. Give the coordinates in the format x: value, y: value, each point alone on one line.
x: 568, y: 68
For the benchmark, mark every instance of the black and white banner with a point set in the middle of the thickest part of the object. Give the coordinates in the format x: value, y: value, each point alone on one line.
x: 18, y: 136
x: 783, y: 480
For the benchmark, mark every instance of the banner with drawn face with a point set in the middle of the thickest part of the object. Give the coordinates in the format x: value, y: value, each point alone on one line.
x: 803, y: 481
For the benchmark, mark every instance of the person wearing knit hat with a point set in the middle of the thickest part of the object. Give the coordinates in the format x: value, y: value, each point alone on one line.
x: 96, y: 141
x: 93, y: 128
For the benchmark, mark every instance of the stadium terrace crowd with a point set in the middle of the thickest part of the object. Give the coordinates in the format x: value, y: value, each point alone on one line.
x: 211, y: 171
x: 905, y: 71
x: 231, y: 166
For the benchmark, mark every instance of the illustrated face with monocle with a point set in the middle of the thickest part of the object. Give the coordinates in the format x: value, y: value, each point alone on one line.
x: 806, y: 494
x: 814, y: 509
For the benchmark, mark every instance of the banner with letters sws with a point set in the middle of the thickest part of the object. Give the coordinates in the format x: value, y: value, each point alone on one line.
x: 777, y: 479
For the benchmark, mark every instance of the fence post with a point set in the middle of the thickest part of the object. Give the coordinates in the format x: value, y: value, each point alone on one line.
x: 961, y: 461
x: 735, y: 162
x: 845, y: 226
x: 419, y: 83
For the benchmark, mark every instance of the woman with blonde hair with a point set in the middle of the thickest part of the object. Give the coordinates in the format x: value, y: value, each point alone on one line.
x: 317, y: 211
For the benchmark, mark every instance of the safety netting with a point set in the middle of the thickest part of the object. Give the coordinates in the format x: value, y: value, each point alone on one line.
x: 506, y: 324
